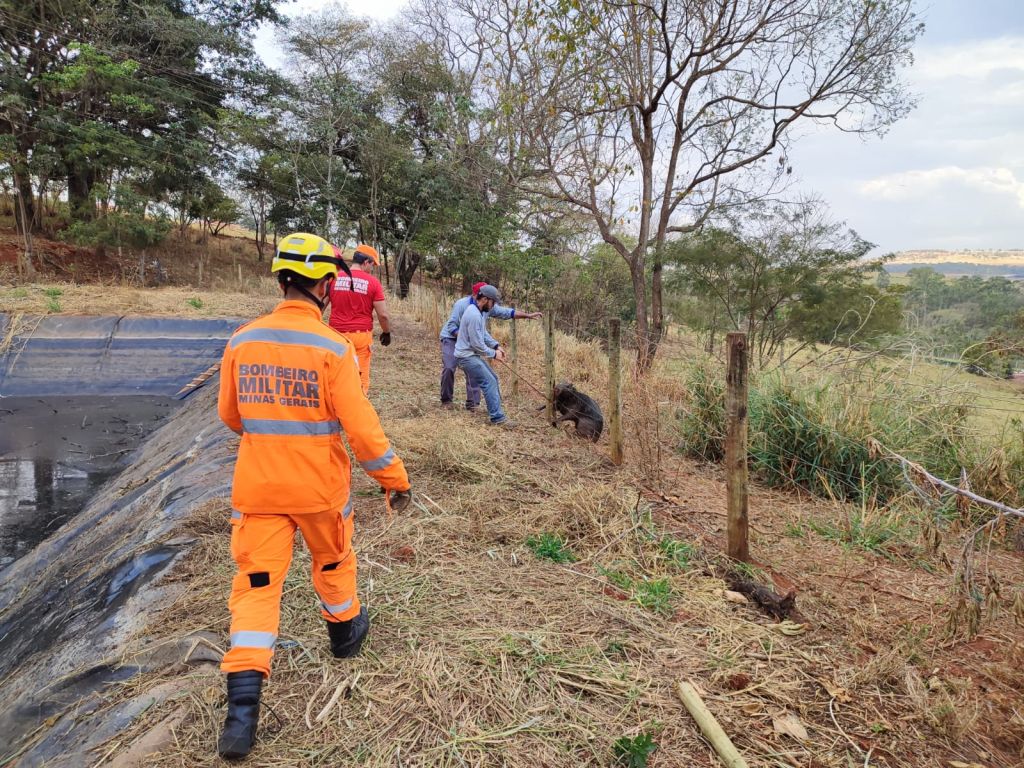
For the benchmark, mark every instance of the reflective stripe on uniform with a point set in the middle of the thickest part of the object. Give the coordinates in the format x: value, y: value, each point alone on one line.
x: 289, y: 427
x: 236, y: 515
x: 282, y: 336
x: 251, y: 639
x: 339, y: 608
x: 347, y: 511
x: 381, y: 462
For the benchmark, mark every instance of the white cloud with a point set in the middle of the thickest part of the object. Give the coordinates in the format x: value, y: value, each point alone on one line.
x: 911, y: 185
x: 975, y: 59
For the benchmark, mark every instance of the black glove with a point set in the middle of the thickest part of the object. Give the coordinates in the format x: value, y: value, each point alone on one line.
x: 400, y: 500
x: 385, y: 338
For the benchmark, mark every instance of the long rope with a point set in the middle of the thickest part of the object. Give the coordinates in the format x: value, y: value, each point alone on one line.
x: 525, y: 381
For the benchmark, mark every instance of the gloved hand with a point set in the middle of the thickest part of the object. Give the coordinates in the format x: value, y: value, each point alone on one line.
x: 385, y: 339
x: 399, y: 501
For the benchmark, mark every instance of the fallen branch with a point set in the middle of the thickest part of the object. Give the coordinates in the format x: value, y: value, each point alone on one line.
x: 709, y: 726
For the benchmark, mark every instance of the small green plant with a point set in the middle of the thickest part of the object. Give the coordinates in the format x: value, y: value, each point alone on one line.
x: 795, y: 530
x: 748, y: 571
x: 615, y: 648
x: 633, y: 752
x: 195, y: 302
x: 53, y: 293
x: 654, y: 595
x: 679, y: 553
x: 52, y: 305
x: 550, y: 546
x: 618, y: 578
x: 873, y: 534
x: 19, y: 293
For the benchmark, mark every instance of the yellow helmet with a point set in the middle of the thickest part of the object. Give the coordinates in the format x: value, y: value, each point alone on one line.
x: 308, y: 255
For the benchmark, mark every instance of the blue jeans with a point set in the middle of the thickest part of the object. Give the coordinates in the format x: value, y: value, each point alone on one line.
x: 479, y: 374
x: 448, y: 365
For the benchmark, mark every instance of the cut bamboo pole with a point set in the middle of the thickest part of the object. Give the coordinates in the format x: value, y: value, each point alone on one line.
x: 709, y: 726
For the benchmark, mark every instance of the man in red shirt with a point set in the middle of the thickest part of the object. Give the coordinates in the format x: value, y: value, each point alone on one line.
x: 353, y: 302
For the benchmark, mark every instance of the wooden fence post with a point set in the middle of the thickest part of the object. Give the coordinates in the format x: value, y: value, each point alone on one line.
x: 615, y: 390
x: 549, y: 361
x: 736, y: 445
x: 514, y: 360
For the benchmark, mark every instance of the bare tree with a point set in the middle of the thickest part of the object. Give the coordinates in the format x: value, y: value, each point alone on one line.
x: 650, y: 116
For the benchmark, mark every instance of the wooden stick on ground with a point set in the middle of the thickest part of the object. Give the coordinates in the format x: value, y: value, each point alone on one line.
x: 709, y: 726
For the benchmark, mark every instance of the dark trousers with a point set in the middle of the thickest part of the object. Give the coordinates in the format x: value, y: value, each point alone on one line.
x: 448, y: 366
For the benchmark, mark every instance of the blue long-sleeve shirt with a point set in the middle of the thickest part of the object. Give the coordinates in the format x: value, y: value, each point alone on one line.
x: 473, y: 338
x: 451, y: 329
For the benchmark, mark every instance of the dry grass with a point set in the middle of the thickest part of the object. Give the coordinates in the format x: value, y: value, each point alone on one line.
x: 482, y: 653
x: 34, y: 299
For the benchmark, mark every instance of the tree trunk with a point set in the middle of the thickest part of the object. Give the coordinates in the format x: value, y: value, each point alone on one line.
x: 25, y: 205
x: 645, y: 349
x: 657, y: 305
x: 405, y: 266
x: 80, y: 195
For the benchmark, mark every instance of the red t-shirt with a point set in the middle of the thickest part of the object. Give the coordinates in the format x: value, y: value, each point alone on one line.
x: 352, y: 301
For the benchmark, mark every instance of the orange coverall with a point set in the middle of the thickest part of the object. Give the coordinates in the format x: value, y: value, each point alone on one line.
x: 362, y: 341
x: 289, y: 385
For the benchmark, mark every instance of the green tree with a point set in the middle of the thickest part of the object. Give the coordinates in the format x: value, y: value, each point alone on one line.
x: 784, y: 273
x: 102, y: 87
x: 657, y: 115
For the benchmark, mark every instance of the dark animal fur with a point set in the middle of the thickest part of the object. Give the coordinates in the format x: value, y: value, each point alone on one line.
x: 572, y: 405
x: 779, y: 607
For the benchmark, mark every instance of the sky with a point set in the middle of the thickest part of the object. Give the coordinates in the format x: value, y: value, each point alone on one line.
x: 950, y: 176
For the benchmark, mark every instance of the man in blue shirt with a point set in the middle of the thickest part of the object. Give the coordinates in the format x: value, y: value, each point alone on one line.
x: 450, y: 330
x: 475, y: 347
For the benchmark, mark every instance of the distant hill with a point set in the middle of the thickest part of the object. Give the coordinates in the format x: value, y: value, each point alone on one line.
x: 955, y: 263
x: 1013, y: 258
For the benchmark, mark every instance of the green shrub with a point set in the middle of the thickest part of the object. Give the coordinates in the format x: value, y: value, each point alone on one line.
x: 549, y: 546
x: 195, y: 302
x: 702, y: 422
x: 819, y: 437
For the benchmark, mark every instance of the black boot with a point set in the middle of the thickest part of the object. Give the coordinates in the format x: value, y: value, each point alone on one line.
x: 347, y: 636
x: 239, y: 732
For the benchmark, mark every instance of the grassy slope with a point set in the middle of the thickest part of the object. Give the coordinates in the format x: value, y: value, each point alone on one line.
x: 482, y: 654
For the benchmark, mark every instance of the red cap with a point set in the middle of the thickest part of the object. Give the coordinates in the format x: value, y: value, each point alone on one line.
x: 477, y: 287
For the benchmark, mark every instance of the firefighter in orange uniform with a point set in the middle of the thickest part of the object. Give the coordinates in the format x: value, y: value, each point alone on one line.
x: 289, y: 386
x: 354, y: 301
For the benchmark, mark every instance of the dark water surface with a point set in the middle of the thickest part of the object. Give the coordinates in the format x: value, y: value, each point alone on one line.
x: 55, y: 452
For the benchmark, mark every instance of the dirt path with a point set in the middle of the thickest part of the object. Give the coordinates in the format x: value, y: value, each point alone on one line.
x: 483, y: 653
